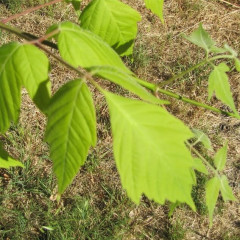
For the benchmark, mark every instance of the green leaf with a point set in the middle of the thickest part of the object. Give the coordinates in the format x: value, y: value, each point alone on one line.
x: 6, y: 161
x: 218, y: 82
x: 237, y: 64
x: 80, y: 47
x: 216, y: 49
x: 220, y: 158
x: 231, y: 50
x: 156, y: 6
x: 143, y: 139
x: 10, y: 86
x: 76, y: 4
x: 114, y: 21
x: 126, y: 81
x: 201, y: 38
x: 199, y: 166
x: 226, y: 190
x: 203, y: 138
x: 71, y: 130
x: 212, y: 192
x: 32, y: 68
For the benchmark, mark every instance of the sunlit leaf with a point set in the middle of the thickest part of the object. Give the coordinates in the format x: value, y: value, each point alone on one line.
x: 226, y: 190
x: 143, y: 139
x: 220, y: 158
x: 212, y: 192
x: 203, y: 138
x: 156, y: 6
x: 115, y: 22
x: 126, y: 81
x: 80, y: 47
x: 201, y: 38
x: 237, y: 64
x: 10, y: 86
x: 199, y: 166
x: 6, y: 161
x: 218, y: 83
x: 32, y: 68
x: 71, y: 130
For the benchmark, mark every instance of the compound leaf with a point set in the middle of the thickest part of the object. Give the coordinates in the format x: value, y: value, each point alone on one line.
x: 126, y: 81
x: 114, y: 21
x: 6, y: 161
x: 218, y: 82
x: 203, y: 138
x: 220, y: 158
x: 212, y: 192
x: 80, y: 47
x: 71, y: 130
x: 10, y: 86
x: 225, y: 189
x: 156, y: 6
x: 32, y: 68
x: 201, y: 38
x: 143, y: 139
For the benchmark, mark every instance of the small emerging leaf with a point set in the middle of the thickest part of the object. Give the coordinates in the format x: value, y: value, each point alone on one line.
x: 201, y: 38
x: 231, y: 50
x: 212, y: 192
x: 203, y: 138
x: 237, y: 64
x: 71, y: 130
x: 156, y: 6
x: 226, y: 190
x: 218, y: 82
x: 199, y: 166
x: 220, y: 158
x: 6, y: 161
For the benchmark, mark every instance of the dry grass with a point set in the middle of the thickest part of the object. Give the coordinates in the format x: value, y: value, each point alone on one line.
x: 160, y: 52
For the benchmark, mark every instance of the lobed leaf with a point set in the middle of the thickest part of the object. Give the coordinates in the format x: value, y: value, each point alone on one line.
x: 218, y: 82
x: 225, y: 189
x: 156, y: 6
x: 149, y: 149
x: 212, y: 192
x: 220, y: 158
x: 80, y: 47
x: 71, y: 130
x: 201, y: 38
x: 126, y: 81
x: 6, y: 161
x: 115, y: 22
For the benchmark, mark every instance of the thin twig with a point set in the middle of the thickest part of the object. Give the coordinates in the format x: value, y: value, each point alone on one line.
x: 29, y: 10
x: 229, y: 3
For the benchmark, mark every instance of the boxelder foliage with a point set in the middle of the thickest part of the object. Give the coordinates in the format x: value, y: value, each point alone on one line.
x: 151, y: 147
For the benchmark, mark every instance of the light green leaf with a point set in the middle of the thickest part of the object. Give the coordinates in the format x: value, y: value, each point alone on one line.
x: 237, y: 64
x: 126, y: 81
x: 216, y: 49
x: 80, y: 47
x: 71, y: 130
x: 6, y: 161
x: 32, y: 68
x: 10, y: 86
x: 212, y: 192
x: 199, y: 166
x: 156, y: 6
x: 143, y: 139
x: 226, y: 190
x: 201, y: 38
x: 203, y: 138
x: 218, y: 82
x: 231, y: 50
x: 115, y: 22
x: 220, y: 158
